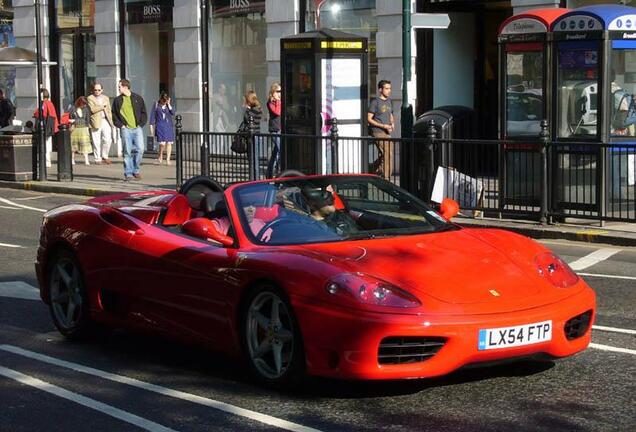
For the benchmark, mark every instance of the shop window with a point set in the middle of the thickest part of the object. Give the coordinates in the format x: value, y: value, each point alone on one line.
x: 237, y: 56
x: 7, y: 39
x: 75, y: 13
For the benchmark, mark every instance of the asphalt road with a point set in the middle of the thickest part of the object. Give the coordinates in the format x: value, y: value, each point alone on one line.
x: 125, y: 381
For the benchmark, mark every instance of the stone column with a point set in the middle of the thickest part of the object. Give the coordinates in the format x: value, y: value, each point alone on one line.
x: 282, y: 18
x: 519, y: 6
x: 26, y: 76
x: 107, y: 48
x: 389, y: 53
x: 186, y: 19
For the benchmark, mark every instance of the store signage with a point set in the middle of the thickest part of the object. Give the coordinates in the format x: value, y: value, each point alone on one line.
x: 624, y: 23
x: 151, y: 11
x: 222, y: 8
x: 524, y: 25
x: 296, y: 45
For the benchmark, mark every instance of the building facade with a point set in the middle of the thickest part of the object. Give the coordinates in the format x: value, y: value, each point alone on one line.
x: 158, y: 45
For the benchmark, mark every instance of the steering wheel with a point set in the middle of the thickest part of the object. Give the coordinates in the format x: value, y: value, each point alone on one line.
x: 271, y: 224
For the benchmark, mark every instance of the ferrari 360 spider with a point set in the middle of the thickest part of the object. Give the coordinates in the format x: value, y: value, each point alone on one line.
x: 344, y: 276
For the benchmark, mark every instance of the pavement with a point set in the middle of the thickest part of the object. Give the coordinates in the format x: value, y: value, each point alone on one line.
x: 96, y: 180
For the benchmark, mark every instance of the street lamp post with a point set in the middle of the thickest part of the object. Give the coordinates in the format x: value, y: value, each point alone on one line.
x: 406, y: 119
x: 41, y: 123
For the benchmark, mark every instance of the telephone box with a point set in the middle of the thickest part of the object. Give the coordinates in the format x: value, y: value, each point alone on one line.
x: 324, y: 76
x: 595, y: 79
x: 525, y: 100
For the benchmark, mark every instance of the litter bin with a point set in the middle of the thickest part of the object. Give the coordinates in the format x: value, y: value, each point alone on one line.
x: 16, y: 154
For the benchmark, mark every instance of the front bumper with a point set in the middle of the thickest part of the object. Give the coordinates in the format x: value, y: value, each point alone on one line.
x: 344, y: 343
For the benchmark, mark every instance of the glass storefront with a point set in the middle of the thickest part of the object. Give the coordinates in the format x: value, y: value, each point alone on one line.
x: 237, y: 61
x: 577, y: 83
x: 74, y: 21
x: 524, y: 92
x: 7, y: 39
x: 149, y: 50
x: 350, y: 16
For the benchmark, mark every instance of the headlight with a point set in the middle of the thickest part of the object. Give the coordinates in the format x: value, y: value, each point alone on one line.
x: 369, y: 290
x: 555, y: 270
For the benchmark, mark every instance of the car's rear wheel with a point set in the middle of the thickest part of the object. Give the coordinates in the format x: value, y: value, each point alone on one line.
x: 68, y: 301
x: 272, y: 339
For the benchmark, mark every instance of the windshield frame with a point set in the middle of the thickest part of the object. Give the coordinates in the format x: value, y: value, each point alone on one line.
x: 436, y: 222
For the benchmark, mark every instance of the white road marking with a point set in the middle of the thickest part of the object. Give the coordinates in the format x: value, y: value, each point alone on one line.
x: 612, y: 349
x: 9, y: 208
x: 83, y: 400
x: 9, y: 245
x: 6, y: 201
x: 165, y: 391
x: 30, y: 198
x: 614, y: 329
x: 20, y: 290
x: 593, y: 258
x: 607, y: 276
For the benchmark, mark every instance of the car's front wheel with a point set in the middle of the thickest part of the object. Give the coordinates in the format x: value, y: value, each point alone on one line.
x: 68, y: 301
x: 272, y: 339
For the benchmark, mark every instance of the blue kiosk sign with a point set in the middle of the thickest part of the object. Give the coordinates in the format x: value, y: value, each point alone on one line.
x: 595, y: 78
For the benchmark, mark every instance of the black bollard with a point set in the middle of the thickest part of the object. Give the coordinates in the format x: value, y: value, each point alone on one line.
x: 64, y: 154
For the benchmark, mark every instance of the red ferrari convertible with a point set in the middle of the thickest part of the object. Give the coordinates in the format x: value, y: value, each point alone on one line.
x: 344, y: 276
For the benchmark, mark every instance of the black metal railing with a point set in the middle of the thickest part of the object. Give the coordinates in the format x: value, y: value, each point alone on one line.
x: 535, y: 178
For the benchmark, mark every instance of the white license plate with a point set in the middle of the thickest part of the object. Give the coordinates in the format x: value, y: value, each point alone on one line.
x: 506, y: 337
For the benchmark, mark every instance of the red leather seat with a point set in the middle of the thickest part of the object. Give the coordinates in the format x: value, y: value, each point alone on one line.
x: 178, y: 211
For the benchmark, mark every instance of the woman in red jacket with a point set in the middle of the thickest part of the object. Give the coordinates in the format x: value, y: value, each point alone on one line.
x: 274, y: 127
x: 50, y: 123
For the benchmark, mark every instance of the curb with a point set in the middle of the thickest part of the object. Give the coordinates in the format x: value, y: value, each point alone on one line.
x: 587, y: 235
x: 51, y: 188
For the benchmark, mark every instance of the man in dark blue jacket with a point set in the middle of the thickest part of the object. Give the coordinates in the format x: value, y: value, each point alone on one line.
x: 129, y: 115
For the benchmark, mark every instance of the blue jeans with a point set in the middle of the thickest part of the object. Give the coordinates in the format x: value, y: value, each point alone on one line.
x: 133, y: 143
x: 274, y: 159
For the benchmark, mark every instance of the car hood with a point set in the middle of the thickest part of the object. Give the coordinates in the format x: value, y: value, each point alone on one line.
x: 459, y: 267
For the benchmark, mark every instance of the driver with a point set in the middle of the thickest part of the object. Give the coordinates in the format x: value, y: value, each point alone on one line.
x: 322, y: 208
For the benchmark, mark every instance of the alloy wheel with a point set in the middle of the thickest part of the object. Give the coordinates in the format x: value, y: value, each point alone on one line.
x: 66, y: 297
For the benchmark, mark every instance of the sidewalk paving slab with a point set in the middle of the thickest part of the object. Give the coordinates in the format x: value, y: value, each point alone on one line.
x: 98, y: 180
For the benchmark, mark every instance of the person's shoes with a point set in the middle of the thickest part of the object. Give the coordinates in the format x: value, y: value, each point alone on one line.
x: 137, y: 176
x: 88, y: 163
x: 106, y: 162
x: 168, y: 162
x: 73, y: 162
x: 127, y: 178
x: 159, y: 161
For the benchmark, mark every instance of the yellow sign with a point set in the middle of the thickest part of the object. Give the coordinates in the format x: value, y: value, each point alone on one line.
x: 341, y: 45
x: 296, y: 45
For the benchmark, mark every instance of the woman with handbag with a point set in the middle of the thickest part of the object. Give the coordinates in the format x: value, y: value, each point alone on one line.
x: 80, y: 136
x: 50, y: 123
x: 162, y: 126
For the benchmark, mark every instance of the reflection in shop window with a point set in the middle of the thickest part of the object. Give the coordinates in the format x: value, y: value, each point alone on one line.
x: 7, y: 39
x: 623, y: 88
x: 524, y: 93
x: 75, y: 13
x: 577, y: 96
x: 238, y: 63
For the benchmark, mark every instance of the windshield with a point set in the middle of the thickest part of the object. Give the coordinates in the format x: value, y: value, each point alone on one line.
x: 524, y: 92
x: 330, y: 209
x: 623, y: 87
x: 577, y: 97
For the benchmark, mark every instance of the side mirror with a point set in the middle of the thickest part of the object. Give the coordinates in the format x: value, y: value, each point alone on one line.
x: 205, y: 229
x: 448, y: 208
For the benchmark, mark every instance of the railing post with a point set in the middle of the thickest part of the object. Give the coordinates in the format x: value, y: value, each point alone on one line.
x: 431, y: 135
x: 333, y: 142
x: 179, y: 149
x: 544, y: 136
x: 205, y: 154
x: 252, y: 149
x: 64, y: 154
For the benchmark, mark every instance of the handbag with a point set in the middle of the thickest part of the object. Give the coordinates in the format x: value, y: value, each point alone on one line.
x: 240, y: 141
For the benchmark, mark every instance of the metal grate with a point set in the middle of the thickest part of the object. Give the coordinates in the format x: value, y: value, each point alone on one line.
x: 577, y: 326
x: 408, y: 349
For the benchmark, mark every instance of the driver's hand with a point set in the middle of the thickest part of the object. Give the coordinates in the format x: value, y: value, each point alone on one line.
x: 267, y: 235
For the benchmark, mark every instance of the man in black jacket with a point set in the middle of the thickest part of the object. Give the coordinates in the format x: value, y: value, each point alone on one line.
x: 129, y: 115
x: 6, y: 110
